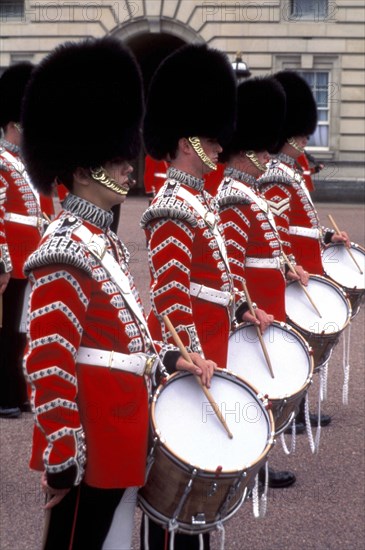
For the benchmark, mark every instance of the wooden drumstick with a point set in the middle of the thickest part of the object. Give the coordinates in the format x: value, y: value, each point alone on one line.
x: 187, y: 357
x: 292, y: 269
x: 263, y: 345
x: 348, y: 250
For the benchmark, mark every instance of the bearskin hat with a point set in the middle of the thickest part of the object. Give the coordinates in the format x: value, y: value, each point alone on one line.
x: 192, y: 93
x: 260, y: 116
x: 301, y: 108
x: 83, y: 107
x: 12, y: 86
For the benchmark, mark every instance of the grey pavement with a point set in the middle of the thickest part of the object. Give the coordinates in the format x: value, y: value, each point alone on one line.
x: 323, y: 510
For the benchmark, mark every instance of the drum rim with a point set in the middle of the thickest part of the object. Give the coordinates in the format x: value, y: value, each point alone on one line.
x: 189, y: 466
x: 306, y: 347
x: 339, y: 291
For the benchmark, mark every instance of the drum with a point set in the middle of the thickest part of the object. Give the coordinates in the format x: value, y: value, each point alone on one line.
x: 196, y: 475
x: 321, y: 333
x: 339, y: 266
x: 291, y: 362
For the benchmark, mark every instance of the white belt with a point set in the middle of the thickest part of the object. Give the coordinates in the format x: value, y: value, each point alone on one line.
x: 311, y: 232
x: 34, y: 221
x: 137, y: 363
x: 220, y: 297
x: 263, y: 263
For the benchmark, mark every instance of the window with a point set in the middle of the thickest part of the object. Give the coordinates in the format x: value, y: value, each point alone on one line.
x: 11, y: 9
x: 310, y: 10
x: 319, y: 83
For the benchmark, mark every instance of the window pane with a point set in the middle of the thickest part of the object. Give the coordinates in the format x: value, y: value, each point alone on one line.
x: 11, y: 9
x: 309, y: 9
x: 320, y: 137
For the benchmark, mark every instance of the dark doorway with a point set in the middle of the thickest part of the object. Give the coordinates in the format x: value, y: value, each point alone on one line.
x: 149, y: 49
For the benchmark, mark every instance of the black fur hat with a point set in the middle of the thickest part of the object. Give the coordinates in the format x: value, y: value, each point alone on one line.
x: 83, y: 107
x: 260, y: 116
x: 301, y: 108
x: 12, y: 86
x: 192, y: 93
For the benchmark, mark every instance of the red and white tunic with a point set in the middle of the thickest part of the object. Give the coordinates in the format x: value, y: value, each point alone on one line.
x: 91, y: 422
x: 21, y: 220
x: 297, y: 218
x: 252, y: 241
x: 183, y: 255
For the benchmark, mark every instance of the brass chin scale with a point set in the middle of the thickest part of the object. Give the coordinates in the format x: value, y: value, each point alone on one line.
x: 197, y: 146
x: 101, y: 176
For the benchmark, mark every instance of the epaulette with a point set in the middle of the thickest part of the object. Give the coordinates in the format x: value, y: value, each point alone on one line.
x: 228, y: 195
x: 60, y: 248
x: 274, y: 175
x: 168, y: 205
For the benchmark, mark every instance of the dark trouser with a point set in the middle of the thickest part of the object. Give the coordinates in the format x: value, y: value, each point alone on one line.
x: 13, y: 392
x: 82, y: 519
x: 159, y: 538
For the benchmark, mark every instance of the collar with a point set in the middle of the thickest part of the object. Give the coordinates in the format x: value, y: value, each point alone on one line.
x: 238, y: 175
x: 286, y: 159
x: 10, y: 146
x: 185, y: 178
x: 88, y: 211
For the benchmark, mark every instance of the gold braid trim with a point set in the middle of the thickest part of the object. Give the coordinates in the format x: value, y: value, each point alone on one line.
x: 101, y: 176
x: 197, y: 146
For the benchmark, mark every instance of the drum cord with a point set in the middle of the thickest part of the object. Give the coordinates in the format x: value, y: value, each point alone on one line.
x: 323, y: 374
x: 313, y: 443
x: 260, y: 511
x: 346, y: 364
x: 221, y: 529
x: 293, y: 442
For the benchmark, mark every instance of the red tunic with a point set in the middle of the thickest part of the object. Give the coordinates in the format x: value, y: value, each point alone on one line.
x: 154, y: 174
x: 285, y: 191
x: 17, y: 240
x: 182, y: 250
x: 251, y: 237
x: 84, y: 412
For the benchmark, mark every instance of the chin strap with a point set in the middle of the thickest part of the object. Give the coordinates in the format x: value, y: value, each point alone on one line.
x: 295, y: 145
x: 197, y: 146
x: 101, y: 176
x: 251, y: 155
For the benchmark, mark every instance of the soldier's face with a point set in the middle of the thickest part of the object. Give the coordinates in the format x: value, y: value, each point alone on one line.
x: 119, y: 171
x: 212, y: 149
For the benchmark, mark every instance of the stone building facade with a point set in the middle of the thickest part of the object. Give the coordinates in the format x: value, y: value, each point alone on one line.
x: 322, y: 39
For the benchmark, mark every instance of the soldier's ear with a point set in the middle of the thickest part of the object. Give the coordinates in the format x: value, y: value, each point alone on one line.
x: 81, y: 176
x: 184, y: 146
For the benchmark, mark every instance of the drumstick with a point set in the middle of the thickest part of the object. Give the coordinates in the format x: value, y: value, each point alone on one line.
x: 263, y: 345
x: 187, y: 357
x: 292, y: 269
x: 348, y: 250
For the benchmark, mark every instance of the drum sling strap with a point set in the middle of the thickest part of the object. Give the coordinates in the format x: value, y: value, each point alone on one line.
x: 261, y: 203
x: 209, y: 220
x: 97, y: 247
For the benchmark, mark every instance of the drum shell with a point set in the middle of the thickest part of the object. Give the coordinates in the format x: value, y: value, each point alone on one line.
x: 217, y: 495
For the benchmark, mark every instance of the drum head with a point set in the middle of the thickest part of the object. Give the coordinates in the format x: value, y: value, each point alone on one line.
x: 329, y: 300
x: 339, y: 265
x: 188, y: 427
x: 289, y: 357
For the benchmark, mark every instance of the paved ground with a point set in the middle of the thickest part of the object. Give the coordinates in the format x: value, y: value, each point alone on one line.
x: 323, y: 510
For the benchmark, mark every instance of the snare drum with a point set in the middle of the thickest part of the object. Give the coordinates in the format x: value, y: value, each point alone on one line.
x: 321, y: 333
x: 196, y: 475
x: 291, y: 362
x: 339, y: 266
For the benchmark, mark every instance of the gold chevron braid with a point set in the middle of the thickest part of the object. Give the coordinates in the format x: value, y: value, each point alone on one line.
x: 197, y: 146
x: 100, y: 175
